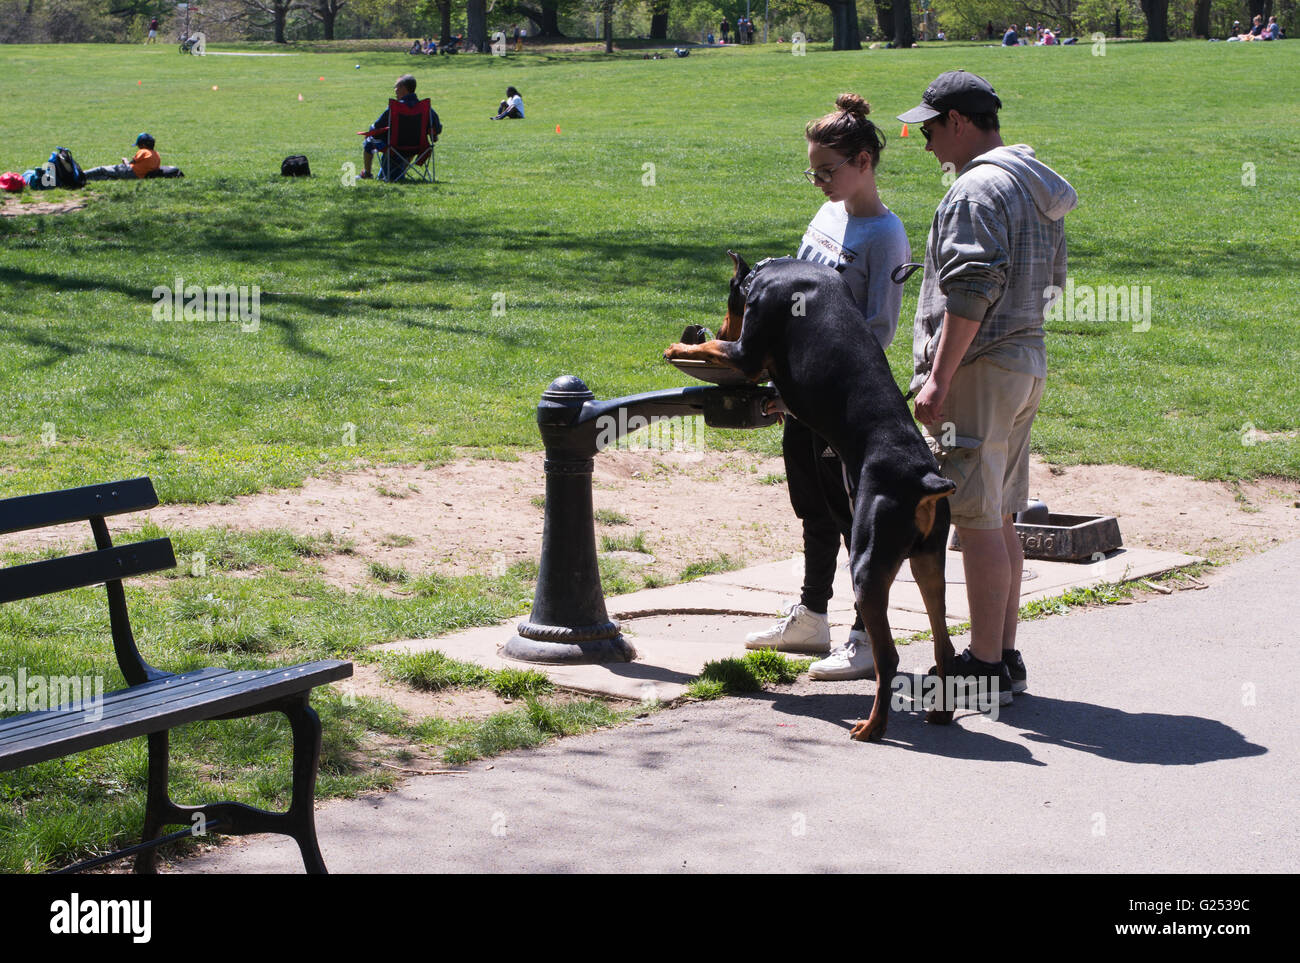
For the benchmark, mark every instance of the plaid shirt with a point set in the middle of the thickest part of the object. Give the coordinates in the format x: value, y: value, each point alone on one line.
x: 996, y: 244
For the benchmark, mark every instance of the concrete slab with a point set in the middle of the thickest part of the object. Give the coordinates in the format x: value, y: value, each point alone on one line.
x: 678, y: 628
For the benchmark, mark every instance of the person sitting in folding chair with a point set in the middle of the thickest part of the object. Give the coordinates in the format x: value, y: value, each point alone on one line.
x: 404, y: 135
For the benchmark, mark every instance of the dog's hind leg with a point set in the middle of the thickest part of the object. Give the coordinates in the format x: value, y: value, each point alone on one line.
x: 873, y: 606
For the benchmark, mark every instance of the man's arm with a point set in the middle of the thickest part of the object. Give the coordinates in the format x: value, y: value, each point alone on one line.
x: 954, y: 339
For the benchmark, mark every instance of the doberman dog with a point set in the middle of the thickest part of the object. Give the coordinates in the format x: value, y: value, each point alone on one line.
x: 796, y: 323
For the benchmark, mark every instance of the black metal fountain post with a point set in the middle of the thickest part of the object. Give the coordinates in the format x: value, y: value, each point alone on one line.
x: 569, y: 622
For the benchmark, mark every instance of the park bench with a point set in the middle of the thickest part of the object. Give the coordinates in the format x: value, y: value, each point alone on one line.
x: 154, y: 701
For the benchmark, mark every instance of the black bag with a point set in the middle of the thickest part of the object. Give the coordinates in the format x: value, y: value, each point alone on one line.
x: 67, y: 172
x: 295, y: 166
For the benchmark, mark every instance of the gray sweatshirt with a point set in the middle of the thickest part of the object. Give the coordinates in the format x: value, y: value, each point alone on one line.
x: 864, y: 250
x: 997, y: 243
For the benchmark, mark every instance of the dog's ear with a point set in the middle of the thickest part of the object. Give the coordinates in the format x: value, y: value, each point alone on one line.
x: 731, y: 327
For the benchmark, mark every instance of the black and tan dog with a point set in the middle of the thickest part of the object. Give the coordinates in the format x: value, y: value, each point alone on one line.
x: 797, y: 322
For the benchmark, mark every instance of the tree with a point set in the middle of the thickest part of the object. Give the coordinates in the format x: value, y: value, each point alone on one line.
x: 267, y: 13
x: 545, y: 17
x: 844, y: 24
x: 1157, y: 14
x: 1201, y: 19
x: 476, y: 25
x: 903, y: 34
x: 327, y: 11
x: 607, y: 12
x: 659, y: 19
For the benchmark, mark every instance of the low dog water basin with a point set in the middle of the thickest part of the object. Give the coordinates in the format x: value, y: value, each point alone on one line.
x: 1066, y: 538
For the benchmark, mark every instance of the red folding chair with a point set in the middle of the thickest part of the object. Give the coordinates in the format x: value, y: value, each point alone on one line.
x: 410, y: 150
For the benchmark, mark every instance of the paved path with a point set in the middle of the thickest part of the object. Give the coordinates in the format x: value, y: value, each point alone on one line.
x: 1158, y: 737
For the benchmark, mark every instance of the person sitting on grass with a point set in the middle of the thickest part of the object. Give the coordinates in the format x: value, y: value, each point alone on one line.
x: 376, y: 137
x: 512, y: 108
x: 145, y: 161
x: 1011, y: 38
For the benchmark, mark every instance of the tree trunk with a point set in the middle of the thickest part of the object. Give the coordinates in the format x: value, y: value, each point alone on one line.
x: 281, y: 14
x: 1118, y: 32
x: 903, y: 35
x: 545, y: 20
x: 1157, y: 14
x: 659, y: 20
x: 1201, y: 19
x: 608, y: 15
x: 328, y: 12
x: 885, y: 19
x: 844, y: 24
x: 476, y: 24
x: 444, y: 22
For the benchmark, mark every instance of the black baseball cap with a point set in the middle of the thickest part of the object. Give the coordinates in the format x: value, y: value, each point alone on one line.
x: 957, y: 90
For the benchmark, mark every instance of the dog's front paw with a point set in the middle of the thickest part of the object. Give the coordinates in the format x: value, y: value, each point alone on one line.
x: 872, y: 730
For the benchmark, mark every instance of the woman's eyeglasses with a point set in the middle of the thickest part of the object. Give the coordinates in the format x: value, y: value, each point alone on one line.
x: 824, y: 175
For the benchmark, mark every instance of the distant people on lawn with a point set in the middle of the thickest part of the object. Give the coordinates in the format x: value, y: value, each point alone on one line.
x: 512, y: 108
x: 145, y: 161
x: 724, y: 28
x: 1011, y: 38
x: 153, y: 31
x: 376, y: 141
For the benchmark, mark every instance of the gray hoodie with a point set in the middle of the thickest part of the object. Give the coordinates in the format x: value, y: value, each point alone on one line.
x: 996, y: 245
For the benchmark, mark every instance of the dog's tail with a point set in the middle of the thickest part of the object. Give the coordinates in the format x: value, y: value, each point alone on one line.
x: 933, y: 487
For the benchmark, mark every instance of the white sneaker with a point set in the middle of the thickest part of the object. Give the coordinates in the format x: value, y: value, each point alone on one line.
x: 800, y: 631
x: 852, y: 660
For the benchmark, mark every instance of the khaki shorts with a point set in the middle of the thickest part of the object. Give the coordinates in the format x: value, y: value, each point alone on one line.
x: 983, y: 446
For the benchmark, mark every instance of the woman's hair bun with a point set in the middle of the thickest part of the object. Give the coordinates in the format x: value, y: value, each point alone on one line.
x: 853, y: 104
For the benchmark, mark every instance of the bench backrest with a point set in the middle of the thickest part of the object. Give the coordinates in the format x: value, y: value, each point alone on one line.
x: 107, y: 564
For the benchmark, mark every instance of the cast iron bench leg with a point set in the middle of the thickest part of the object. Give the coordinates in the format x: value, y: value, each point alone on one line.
x: 236, y: 818
x: 306, y: 759
x: 157, y: 804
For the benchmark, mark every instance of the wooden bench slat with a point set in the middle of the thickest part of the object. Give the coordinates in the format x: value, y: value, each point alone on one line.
x: 88, y: 568
x: 75, y: 504
x: 219, y: 696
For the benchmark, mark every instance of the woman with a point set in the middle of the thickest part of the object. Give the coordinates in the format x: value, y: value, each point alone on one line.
x: 512, y: 108
x: 855, y: 233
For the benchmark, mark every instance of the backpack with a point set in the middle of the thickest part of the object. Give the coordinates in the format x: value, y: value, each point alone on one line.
x: 295, y: 166
x: 67, y: 172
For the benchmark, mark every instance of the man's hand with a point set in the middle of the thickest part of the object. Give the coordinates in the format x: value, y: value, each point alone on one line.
x: 930, y: 402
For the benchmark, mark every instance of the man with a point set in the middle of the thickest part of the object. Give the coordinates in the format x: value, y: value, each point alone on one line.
x: 377, y: 136
x: 995, y: 252
x: 1011, y: 38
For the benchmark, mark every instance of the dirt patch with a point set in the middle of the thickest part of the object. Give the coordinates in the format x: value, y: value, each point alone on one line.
x: 369, y: 680
x: 482, y: 516
x: 12, y: 206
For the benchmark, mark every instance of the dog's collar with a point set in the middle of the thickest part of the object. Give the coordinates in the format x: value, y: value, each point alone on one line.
x: 749, y: 278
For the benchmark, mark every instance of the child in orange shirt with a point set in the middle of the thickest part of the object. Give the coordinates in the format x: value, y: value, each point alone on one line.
x: 146, y: 159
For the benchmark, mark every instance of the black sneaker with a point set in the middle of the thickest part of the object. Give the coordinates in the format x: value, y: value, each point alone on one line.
x: 1016, y: 666
x: 975, y: 681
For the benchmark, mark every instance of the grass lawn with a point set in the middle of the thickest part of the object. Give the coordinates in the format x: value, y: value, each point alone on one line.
x: 411, y: 322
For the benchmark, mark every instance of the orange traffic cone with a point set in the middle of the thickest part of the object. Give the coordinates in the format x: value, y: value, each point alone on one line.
x: 557, y: 128
x: 904, y: 133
